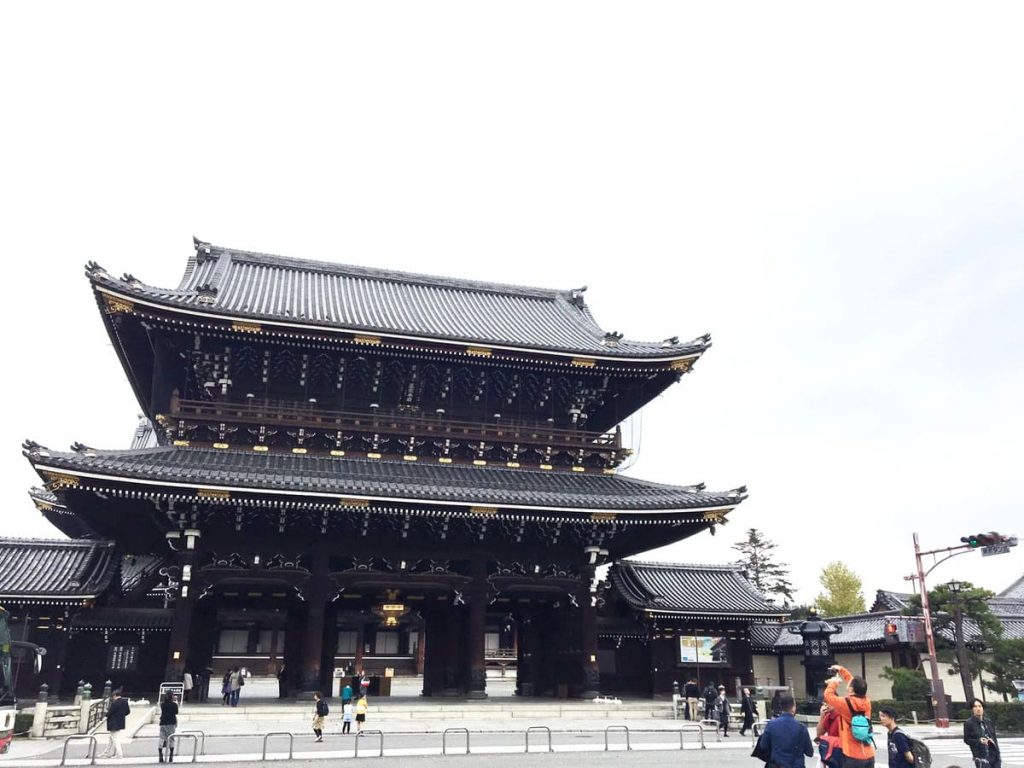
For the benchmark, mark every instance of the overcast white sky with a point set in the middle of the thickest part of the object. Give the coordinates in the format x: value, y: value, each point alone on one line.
x: 835, y: 192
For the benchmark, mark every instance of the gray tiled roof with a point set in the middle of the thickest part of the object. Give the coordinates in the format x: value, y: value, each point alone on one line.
x: 1015, y: 590
x: 887, y: 601
x: 859, y: 631
x: 384, y: 479
x: 258, y: 286
x: 675, y: 588
x: 52, y: 569
x: 121, y: 617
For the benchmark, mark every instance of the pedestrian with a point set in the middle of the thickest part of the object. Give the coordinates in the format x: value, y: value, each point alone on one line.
x: 710, y: 694
x: 692, y: 691
x: 722, y: 710
x: 346, y: 693
x: 320, y: 711
x: 346, y: 716
x: 116, y: 715
x: 187, y: 681
x: 235, y: 685
x: 168, y: 725
x: 748, y: 711
x: 225, y: 688
x: 785, y: 742
x: 282, y: 685
x: 980, y: 736
x: 901, y: 754
x: 776, y: 703
x: 361, y: 706
x: 854, y: 711
x: 827, y: 738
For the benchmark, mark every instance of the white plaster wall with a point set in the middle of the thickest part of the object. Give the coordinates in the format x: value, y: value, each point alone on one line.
x: 766, y: 667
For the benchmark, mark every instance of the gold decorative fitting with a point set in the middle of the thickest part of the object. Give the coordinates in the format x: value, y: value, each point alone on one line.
x: 213, y: 493
x: 603, y: 515
x: 57, y: 480
x: 163, y: 420
x: 181, y: 443
x: 360, y: 338
x: 42, y: 506
x: 484, y: 511
x: 221, y: 445
x: 584, y: 362
x: 479, y: 463
x: 240, y: 327
x: 609, y: 471
x: 116, y: 305
x: 410, y: 457
x: 513, y: 464
x: 337, y: 453
x: 579, y: 469
x: 373, y: 455
x: 261, y: 448
x: 714, y: 515
x: 444, y: 460
x: 479, y: 351
x: 299, y: 450
x: 347, y: 502
x: 546, y: 466
x: 681, y: 365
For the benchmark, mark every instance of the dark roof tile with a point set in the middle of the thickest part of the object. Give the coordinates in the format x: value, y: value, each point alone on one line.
x: 52, y: 569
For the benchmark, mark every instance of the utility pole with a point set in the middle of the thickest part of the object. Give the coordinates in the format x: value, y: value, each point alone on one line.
x: 991, y: 543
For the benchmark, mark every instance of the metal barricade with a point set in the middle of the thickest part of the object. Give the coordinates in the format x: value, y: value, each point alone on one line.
x: 291, y: 742
x: 617, y: 728
x: 200, y: 734
x: 756, y: 730
x: 444, y: 738
x: 376, y: 733
x: 691, y: 727
x: 91, y: 754
x: 714, y: 724
x: 172, y: 742
x: 538, y: 728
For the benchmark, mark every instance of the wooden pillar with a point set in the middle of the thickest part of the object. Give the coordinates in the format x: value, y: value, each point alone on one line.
x: 357, y: 662
x: 184, y: 605
x: 588, y: 639
x: 316, y: 604
x: 477, y: 630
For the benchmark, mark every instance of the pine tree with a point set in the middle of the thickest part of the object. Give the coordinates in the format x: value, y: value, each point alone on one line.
x: 843, y: 593
x: 767, y: 574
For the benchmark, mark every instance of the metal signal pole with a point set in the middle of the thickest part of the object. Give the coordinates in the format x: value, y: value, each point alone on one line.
x: 938, y: 691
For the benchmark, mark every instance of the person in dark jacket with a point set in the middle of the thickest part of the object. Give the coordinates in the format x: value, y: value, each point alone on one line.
x: 722, y: 711
x: 980, y: 736
x: 116, y: 716
x: 710, y: 695
x: 168, y: 725
x: 748, y: 711
x: 786, y: 740
x: 692, y: 691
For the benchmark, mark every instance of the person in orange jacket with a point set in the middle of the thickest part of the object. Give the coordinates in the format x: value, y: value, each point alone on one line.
x: 856, y: 753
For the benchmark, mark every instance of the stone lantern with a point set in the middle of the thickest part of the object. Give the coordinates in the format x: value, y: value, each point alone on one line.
x: 818, y: 657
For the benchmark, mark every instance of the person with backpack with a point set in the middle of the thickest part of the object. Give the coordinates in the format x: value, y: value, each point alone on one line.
x: 710, y: 695
x: 168, y: 725
x: 319, y: 713
x: 903, y: 752
x: 722, y: 711
x: 785, y: 742
x: 980, y: 736
x: 827, y: 738
x: 855, y: 737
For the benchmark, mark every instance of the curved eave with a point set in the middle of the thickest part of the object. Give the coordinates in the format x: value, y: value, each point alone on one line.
x: 36, y: 598
x: 117, y: 291
x: 715, y: 510
x: 659, y: 613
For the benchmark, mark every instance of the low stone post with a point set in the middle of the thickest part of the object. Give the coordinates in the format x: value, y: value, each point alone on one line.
x: 79, y: 691
x: 39, y: 714
x: 107, y: 687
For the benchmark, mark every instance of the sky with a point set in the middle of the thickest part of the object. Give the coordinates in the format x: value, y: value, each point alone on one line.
x: 835, y: 192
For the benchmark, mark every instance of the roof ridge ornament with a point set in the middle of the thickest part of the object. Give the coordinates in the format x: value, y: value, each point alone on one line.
x: 612, y: 339
x: 202, y: 249
x: 94, y: 269
x: 671, y: 341
x: 576, y: 297
x: 31, y: 446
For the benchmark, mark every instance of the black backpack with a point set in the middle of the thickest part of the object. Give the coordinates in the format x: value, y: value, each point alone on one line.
x: 922, y: 755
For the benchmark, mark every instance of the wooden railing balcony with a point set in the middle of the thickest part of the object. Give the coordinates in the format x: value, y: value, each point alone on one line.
x: 287, y: 414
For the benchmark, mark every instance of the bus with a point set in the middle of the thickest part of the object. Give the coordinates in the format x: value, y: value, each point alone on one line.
x: 8, y: 702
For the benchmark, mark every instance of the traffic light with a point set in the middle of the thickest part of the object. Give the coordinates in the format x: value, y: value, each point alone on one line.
x: 972, y: 540
x: 982, y: 539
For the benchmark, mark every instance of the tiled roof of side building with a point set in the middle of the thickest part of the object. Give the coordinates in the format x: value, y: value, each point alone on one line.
x: 887, y: 601
x: 397, y: 480
x: 55, y: 570
x: 1015, y: 590
x: 261, y: 287
x: 861, y: 630
x: 706, y: 590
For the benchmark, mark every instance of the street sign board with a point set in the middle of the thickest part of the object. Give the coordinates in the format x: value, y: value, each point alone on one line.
x: 995, y: 549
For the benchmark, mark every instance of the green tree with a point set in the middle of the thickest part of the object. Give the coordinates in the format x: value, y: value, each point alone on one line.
x: 1006, y: 665
x: 843, y: 593
x: 767, y: 574
x: 908, y: 684
x: 961, y: 609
